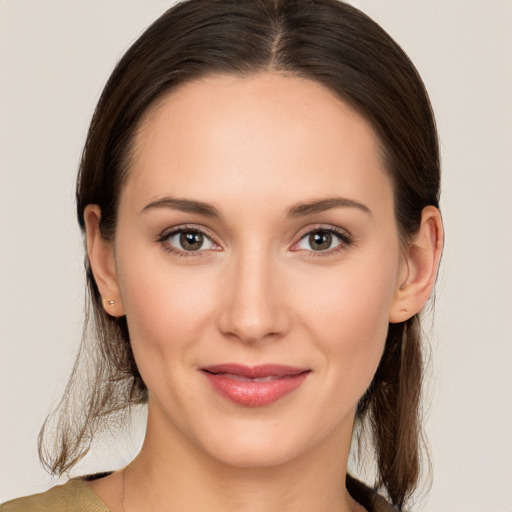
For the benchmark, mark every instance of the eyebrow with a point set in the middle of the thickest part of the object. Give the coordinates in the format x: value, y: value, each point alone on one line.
x: 184, y: 205
x: 298, y: 210
x: 303, y: 209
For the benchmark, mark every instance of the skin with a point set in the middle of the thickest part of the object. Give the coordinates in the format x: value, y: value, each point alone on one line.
x: 255, y: 292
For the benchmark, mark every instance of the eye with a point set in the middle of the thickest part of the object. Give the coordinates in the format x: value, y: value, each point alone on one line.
x: 187, y: 240
x: 323, y: 240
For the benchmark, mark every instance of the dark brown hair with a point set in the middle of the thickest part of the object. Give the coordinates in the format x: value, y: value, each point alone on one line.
x: 323, y: 40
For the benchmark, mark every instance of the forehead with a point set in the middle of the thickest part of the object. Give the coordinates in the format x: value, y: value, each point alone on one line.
x: 281, y: 137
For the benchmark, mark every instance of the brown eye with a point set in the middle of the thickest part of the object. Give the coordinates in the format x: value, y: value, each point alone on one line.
x: 189, y: 240
x: 320, y: 240
x: 324, y: 240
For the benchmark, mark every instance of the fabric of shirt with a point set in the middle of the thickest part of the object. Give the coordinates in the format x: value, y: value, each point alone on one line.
x: 76, y: 496
x: 73, y: 496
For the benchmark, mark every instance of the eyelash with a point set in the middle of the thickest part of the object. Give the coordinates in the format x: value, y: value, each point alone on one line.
x: 345, y: 241
x: 164, y: 237
x: 344, y: 238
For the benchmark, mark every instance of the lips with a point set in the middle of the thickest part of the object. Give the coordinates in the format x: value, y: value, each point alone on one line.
x: 254, y: 386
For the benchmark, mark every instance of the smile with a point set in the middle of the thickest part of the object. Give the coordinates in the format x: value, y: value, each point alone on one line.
x: 254, y: 386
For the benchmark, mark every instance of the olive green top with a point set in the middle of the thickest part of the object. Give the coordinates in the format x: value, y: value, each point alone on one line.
x: 76, y: 496
x: 73, y: 496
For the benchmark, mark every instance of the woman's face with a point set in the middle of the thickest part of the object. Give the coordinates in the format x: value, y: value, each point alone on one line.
x: 257, y: 259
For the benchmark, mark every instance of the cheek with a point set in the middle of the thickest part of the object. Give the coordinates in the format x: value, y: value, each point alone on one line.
x: 354, y: 296
x: 167, y: 307
x: 348, y: 317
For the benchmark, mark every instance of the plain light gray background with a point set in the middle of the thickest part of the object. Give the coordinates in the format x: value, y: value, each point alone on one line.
x: 55, y: 56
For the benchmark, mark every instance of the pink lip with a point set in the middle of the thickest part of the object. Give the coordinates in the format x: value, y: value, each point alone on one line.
x: 243, y: 384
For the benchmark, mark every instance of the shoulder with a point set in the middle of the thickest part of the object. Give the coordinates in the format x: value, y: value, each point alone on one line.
x: 73, y: 496
x: 367, y: 497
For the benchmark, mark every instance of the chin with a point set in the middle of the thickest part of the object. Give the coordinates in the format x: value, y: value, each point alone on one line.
x: 264, y: 444
x: 256, y: 455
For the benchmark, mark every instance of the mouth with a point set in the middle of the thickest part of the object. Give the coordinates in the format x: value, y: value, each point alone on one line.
x: 254, y: 386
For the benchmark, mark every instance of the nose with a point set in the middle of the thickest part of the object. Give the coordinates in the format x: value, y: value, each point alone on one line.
x: 254, y: 299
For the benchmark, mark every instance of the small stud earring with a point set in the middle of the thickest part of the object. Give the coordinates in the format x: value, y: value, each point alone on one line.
x: 110, y: 302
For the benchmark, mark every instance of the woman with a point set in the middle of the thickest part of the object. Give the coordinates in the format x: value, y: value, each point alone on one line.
x: 259, y: 195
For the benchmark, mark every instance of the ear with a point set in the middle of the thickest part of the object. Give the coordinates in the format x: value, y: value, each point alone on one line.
x: 101, y: 257
x: 419, y: 267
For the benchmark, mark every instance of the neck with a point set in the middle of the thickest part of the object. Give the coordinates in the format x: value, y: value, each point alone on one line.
x: 171, y: 473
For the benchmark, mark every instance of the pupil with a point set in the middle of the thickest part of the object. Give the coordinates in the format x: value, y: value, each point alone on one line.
x: 320, y: 240
x: 191, y: 241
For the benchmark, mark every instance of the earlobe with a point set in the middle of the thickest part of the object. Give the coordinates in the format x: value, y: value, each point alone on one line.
x: 101, y: 257
x: 420, y: 266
